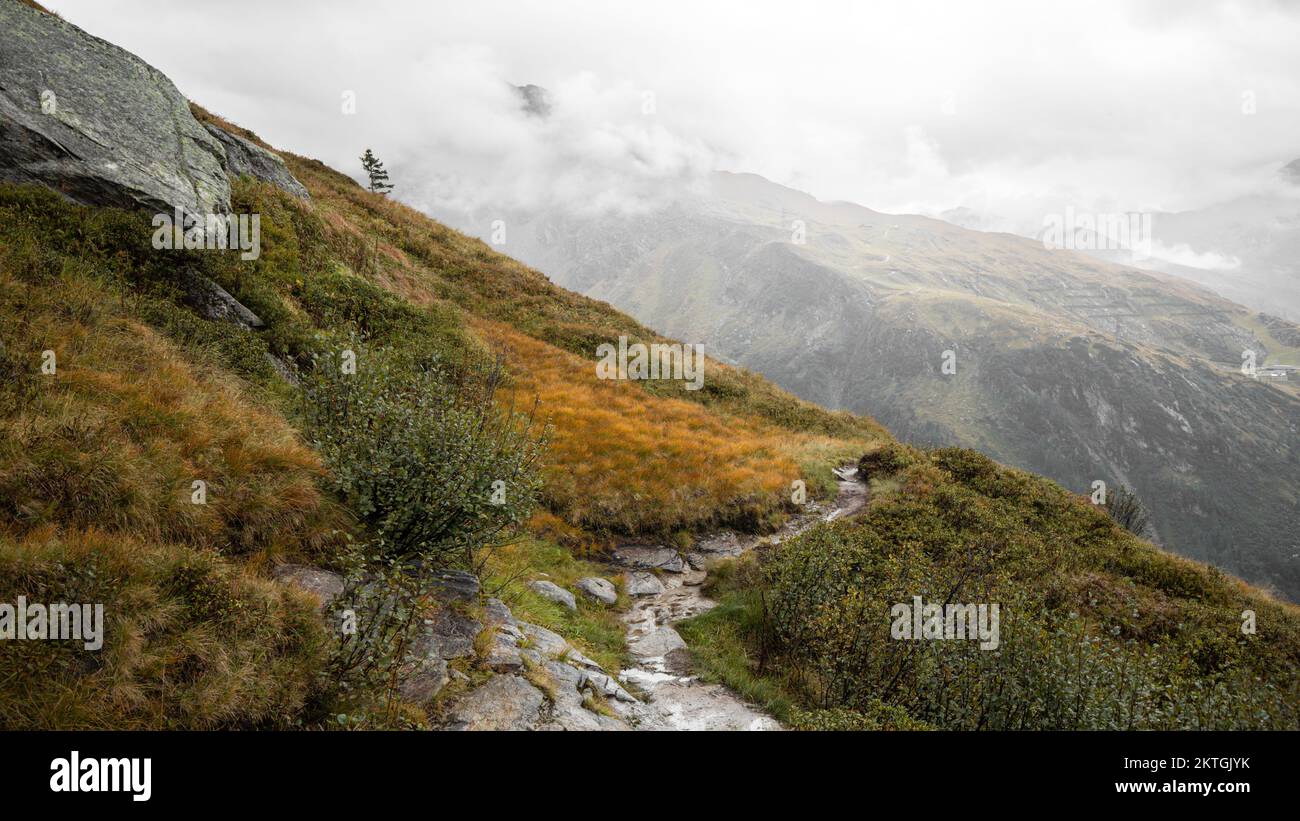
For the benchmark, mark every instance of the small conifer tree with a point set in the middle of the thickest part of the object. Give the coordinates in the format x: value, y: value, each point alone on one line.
x: 375, y: 171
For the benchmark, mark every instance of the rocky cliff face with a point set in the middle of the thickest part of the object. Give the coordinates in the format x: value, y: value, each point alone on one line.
x: 103, y: 127
x: 98, y: 124
x: 248, y: 159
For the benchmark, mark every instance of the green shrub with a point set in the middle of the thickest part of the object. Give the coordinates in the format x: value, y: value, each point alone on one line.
x: 434, y: 470
x: 1127, y: 510
x: 378, y: 619
x: 877, y: 716
x: 887, y: 459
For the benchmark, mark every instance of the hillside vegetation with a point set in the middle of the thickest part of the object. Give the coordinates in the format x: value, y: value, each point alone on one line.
x: 1098, y: 629
x: 97, y: 462
x: 170, y: 467
x: 99, y: 459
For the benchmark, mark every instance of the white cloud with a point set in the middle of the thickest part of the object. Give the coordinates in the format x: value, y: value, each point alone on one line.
x: 1182, y: 254
x: 1014, y: 108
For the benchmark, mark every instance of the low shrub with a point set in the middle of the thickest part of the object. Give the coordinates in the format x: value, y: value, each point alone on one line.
x: 1097, y: 629
x: 434, y: 470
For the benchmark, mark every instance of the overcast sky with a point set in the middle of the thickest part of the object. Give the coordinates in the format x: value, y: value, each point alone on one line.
x: 1005, y: 107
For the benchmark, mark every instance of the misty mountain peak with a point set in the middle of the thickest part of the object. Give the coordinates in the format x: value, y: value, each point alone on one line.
x: 1292, y: 171
x: 536, y: 100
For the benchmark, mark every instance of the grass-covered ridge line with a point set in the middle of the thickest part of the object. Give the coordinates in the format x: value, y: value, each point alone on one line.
x: 1099, y: 630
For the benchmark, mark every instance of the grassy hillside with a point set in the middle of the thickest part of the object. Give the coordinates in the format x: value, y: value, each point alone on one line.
x: 99, y: 458
x: 98, y: 461
x: 1098, y: 629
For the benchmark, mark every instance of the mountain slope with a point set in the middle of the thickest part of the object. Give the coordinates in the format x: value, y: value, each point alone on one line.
x: 130, y: 376
x: 1065, y: 365
x: 150, y: 391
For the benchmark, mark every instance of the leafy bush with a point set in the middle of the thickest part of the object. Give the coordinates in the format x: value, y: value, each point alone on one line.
x: 888, y: 458
x: 877, y: 716
x: 386, y: 606
x: 1127, y: 510
x: 434, y: 470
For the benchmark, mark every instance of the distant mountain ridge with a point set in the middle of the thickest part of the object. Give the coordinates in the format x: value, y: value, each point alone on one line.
x: 1065, y: 365
x: 1258, y: 238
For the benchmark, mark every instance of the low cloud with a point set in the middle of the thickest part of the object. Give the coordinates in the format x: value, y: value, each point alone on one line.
x: 1184, y: 255
x: 599, y: 148
x: 1011, y: 109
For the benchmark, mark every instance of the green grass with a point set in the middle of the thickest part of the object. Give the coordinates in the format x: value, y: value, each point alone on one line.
x: 722, y: 653
x: 594, y: 629
x: 1279, y: 353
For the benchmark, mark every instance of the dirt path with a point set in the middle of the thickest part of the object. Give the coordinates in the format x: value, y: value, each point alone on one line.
x: 677, y: 700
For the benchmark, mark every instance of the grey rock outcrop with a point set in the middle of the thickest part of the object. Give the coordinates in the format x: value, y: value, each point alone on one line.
x: 568, y: 706
x: 501, y: 703
x: 642, y: 583
x: 650, y: 557
x: 724, y: 543
x: 211, y: 301
x: 424, y: 680
x: 606, y: 685
x: 552, y: 591
x: 248, y: 159
x: 325, y: 585
x: 449, y: 634
x: 602, y: 590
x: 457, y: 585
x: 98, y: 124
x: 504, y: 655
x: 657, y: 644
x: 544, y: 641
x: 572, y: 685
x: 496, y: 612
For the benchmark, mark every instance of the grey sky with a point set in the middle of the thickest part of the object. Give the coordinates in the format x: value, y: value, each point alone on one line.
x: 1009, y: 107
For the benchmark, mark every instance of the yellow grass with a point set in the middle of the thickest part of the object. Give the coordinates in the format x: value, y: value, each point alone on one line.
x: 116, y: 437
x: 623, y: 460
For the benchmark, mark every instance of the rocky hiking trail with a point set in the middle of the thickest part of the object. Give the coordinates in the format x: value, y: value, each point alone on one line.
x: 538, y: 681
x: 676, y: 700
